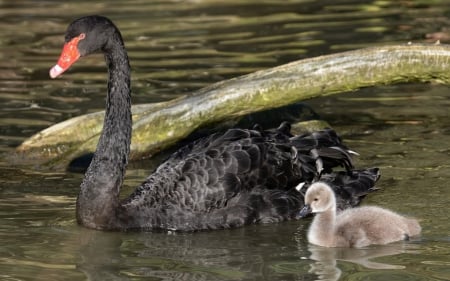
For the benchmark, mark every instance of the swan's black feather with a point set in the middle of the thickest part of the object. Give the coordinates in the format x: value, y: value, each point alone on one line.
x: 241, y: 177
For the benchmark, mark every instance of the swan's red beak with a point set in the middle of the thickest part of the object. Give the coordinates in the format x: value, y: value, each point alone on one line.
x: 69, y: 55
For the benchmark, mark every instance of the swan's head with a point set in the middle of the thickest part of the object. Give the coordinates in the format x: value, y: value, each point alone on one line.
x: 318, y: 198
x: 84, y: 36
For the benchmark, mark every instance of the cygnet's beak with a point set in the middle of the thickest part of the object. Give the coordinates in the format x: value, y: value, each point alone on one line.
x: 306, y: 210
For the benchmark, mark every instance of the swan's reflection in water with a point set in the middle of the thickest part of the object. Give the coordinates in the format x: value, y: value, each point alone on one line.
x: 325, y: 259
x: 246, y: 253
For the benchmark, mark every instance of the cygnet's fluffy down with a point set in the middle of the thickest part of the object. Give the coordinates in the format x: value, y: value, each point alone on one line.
x: 357, y: 227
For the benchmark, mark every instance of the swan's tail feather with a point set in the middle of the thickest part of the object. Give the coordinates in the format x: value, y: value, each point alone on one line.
x: 414, y: 227
x: 321, y: 151
x: 351, y: 187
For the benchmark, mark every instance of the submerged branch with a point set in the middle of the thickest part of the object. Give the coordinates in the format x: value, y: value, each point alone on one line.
x: 157, y: 126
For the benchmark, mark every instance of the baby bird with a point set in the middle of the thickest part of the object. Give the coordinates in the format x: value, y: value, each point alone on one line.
x: 356, y: 227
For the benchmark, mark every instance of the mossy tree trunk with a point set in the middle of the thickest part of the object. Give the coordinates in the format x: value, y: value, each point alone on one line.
x: 157, y: 126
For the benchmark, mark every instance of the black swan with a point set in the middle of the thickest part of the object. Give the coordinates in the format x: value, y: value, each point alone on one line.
x: 354, y: 227
x: 225, y: 180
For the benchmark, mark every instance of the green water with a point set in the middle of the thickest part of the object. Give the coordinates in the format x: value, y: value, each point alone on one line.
x: 179, y: 46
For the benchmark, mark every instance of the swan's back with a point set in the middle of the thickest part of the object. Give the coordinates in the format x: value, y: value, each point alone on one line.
x: 363, y: 226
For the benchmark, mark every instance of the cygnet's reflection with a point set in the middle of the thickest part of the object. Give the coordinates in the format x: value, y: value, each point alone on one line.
x: 325, y: 265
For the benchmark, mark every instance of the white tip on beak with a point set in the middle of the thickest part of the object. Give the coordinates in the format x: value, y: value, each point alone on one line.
x: 56, y: 71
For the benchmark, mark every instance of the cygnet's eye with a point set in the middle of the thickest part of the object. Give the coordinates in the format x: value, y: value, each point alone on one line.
x: 316, y: 199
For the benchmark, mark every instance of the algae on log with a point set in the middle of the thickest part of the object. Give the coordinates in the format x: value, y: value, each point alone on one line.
x: 157, y: 126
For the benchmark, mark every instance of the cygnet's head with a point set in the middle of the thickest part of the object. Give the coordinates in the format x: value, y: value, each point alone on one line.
x: 318, y: 198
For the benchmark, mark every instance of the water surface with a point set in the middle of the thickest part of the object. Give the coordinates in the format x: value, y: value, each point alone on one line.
x: 176, y: 47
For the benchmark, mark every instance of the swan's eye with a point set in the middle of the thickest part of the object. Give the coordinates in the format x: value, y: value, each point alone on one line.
x: 316, y: 199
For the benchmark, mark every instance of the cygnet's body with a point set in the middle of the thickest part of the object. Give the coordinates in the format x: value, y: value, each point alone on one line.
x: 357, y: 227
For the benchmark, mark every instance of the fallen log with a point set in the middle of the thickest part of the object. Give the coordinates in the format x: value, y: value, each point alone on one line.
x: 158, y: 126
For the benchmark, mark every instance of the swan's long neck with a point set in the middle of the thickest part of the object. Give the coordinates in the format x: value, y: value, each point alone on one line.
x: 97, y: 203
x: 322, y: 228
